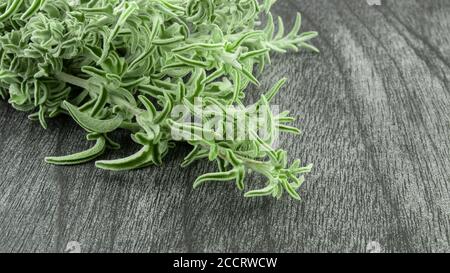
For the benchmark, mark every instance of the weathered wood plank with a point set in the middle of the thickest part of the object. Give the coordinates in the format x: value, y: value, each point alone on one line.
x: 374, y: 110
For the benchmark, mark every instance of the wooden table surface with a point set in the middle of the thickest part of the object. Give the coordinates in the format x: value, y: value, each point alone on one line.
x: 374, y: 109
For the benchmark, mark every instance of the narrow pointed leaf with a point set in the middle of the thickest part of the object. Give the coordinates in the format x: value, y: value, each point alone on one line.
x: 82, y: 157
x: 92, y: 124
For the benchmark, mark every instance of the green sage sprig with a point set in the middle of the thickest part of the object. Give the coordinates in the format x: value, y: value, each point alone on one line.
x: 113, y: 64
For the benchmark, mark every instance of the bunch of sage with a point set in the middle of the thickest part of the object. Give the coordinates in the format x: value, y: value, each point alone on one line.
x: 113, y: 64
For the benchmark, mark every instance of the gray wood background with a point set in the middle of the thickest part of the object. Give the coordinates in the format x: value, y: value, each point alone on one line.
x: 375, y: 112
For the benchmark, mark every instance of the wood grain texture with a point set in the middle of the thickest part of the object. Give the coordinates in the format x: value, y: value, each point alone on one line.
x: 375, y: 112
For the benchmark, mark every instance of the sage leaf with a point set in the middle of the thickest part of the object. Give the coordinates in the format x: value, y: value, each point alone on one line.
x: 92, y: 124
x: 82, y: 157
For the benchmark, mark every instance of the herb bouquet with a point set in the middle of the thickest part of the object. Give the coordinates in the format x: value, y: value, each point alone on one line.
x: 127, y: 64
